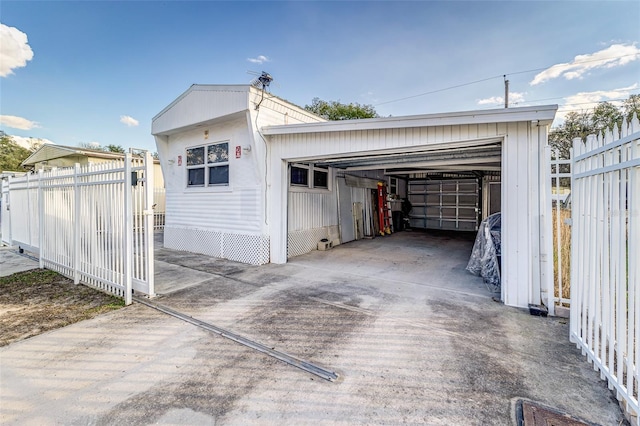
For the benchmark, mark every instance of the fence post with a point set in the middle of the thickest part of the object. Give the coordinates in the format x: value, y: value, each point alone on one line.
x: 40, y: 220
x: 76, y: 225
x: 128, y: 230
x: 546, y: 233
x: 149, y: 219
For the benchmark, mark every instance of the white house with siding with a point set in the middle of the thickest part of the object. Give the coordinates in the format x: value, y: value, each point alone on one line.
x: 253, y: 178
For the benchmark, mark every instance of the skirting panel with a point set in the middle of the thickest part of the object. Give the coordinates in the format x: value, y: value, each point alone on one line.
x: 251, y: 249
x: 301, y: 242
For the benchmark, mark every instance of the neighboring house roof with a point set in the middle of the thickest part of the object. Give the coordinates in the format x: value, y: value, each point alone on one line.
x: 50, y: 152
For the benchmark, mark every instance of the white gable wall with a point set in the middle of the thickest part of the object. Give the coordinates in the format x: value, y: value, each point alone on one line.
x: 196, y: 106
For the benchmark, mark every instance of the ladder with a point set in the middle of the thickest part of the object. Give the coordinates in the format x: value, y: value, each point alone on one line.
x: 384, y: 211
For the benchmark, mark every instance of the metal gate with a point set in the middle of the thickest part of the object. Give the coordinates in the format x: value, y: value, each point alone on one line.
x: 93, y: 224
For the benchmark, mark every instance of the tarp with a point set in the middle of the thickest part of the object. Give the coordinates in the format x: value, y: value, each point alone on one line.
x: 485, y: 256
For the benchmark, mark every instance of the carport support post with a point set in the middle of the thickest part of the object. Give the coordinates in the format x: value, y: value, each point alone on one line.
x: 278, y: 209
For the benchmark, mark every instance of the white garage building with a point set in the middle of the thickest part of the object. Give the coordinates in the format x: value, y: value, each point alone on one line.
x: 253, y: 178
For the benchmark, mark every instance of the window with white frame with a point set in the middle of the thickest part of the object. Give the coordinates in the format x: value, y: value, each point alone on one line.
x: 208, y: 165
x: 309, y: 176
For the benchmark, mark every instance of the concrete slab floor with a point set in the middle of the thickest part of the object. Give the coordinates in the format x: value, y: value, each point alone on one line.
x: 414, y: 339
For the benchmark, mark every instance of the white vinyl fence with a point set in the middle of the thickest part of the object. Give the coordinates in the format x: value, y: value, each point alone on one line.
x: 159, y: 207
x: 605, y: 258
x: 92, y: 224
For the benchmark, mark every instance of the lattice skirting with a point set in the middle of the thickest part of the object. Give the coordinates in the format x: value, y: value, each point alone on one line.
x: 251, y: 249
x: 301, y: 242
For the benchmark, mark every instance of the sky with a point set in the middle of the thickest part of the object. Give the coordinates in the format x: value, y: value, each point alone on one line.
x: 86, y: 72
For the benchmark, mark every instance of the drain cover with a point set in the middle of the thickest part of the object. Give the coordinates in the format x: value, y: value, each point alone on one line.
x: 531, y: 414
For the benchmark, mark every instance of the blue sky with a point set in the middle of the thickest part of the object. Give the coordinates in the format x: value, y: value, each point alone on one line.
x: 82, y: 72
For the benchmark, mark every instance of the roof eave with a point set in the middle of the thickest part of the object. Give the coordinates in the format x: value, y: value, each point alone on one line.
x: 543, y: 114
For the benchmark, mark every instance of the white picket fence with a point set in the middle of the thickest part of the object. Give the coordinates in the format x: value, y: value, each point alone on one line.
x: 605, y: 258
x: 93, y: 224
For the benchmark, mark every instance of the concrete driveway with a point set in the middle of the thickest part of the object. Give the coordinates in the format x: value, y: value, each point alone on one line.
x: 413, y: 338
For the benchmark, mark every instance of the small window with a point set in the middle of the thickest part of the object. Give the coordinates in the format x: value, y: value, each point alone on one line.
x: 309, y: 176
x: 299, y: 176
x: 320, y: 178
x: 216, y: 169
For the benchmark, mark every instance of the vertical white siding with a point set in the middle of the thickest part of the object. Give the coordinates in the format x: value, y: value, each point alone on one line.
x: 310, y: 210
x: 521, y: 216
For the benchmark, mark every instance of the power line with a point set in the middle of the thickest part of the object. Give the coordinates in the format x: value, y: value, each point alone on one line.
x: 497, y: 76
x: 439, y: 90
x: 573, y: 63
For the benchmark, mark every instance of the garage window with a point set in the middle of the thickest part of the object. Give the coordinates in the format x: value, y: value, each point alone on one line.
x: 320, y: 177
x: 208, y: 165
x: 309, y: 176
x: 300, y: 175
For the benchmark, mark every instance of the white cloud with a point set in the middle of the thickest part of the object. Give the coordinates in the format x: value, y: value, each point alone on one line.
x: 514, y: 98
x: 589, y: 100
x: 260, y: 59
x: 14, y: 50
x: 129, y: 121
x: 613, y: 56
x: 17, y: 122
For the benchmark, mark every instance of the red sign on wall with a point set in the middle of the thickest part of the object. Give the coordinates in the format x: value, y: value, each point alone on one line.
x: 179, y: 160
x: 238, y: 151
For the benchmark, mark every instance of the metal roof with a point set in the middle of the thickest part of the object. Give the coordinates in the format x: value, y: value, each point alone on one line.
x: 542, y: 113
x: 50, y: 151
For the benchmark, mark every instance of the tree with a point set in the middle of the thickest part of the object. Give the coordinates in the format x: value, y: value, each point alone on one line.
x: 605, y: 116
x: 632, y: 106
x: 108, y: 148
x: 114, y: 148
x: 335, y: 110
x: 12, y: 155
x: 581, y: 124
x: 576, y: 125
